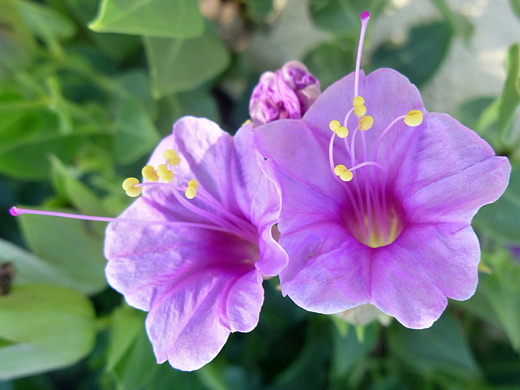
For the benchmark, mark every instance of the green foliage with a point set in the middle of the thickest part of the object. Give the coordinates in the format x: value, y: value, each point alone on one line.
x: 150, y: 18
x: 510, y: 99
x: 43, y: 328
x: 178, y: 65
x: 427, y: 45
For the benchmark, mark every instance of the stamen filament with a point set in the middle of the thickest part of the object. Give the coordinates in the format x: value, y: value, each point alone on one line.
x: 16, y: 211
x: 386, y: 130
x: 364, y: 164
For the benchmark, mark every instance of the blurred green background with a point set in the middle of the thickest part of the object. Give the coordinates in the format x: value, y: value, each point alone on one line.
x: 88, y: 88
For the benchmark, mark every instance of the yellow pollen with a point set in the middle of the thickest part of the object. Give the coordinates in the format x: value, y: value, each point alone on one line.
x: 149, y: 173
x: 129, y: 185
x: 358, y: 101
x: 339, y: 169
x: 246, y: 122
x: 414, y: 118
x: 334, y: 125
x: 342, y: 132
x: 366, y: 122
x: 171, y: 157
x: 165, y: 174
x: 193, y: 183
x: 346, y: 176
x: 360, y: 111
x: 343, y: 173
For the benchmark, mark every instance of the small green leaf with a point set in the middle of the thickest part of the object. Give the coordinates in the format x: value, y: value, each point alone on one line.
x: 135, y: 134
x: 420, y: 56
x: 510, y: 99
x: 77, y: 193
x: 441, y: 348
x: 16, y: 42
x: 127, y: 324
x: 178, y: 65
x: 44, y: 21
x: 69, y: 245
x: 150, y: 18
x: 27, y: 155
x: 502, y: 289
x: 348, y: 350
x: 515, y: 4
x: 48, y: 327
x: 500, y: 219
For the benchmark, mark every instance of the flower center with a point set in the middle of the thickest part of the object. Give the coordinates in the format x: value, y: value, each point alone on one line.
x: 374, y: 221
x: 373, y: 215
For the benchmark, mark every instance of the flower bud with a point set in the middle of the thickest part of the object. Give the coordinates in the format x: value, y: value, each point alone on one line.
x: 287, y: 93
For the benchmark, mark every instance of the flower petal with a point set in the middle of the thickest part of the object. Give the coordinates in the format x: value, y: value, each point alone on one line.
x: 328, y: 269
x: 449, y: 172
x: 189, y: 324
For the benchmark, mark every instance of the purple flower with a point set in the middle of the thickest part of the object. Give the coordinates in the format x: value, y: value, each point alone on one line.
x: 197, y: 264
x: 287, y: 93
x: 393, y: 229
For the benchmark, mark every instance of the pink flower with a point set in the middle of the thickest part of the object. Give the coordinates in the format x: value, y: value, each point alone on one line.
x: 393, y: 229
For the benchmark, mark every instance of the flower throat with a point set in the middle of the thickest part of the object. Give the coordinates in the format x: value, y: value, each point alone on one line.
x: 373, y: 216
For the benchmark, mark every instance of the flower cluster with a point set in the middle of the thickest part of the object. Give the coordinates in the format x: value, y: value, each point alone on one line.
x: 372, y: 195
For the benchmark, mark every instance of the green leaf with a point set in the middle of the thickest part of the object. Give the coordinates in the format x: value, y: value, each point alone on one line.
x: 420, y: 56
x: 502, y: 289
x: 135, y: 134
x: 138, y: 365
x: 30, y: 269
x: 77, y: 193
x: 69, y: 245
x: 439, y: 348
x: 16, y: 42
x: 178, y: 65
x: 330, y: 62
x: 510, y: 99
x: 515, y: 4
x: 44, y: 21
x: 150, y: 18
x: 127, y: 324
x: 30, y: 142
x: 500, y: 219
x: 342, y: 16
x: 459, y: 23
x: 48, y: 327
x: 349, y: 351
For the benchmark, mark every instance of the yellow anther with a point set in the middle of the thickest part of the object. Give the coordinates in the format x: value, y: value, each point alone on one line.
x: 149, y: 173
x: 171, y: 157
x: 360, y: 111
x: 339, y: 169
x: 191, y: 190
x: 334, y: 125
x: 346, y: 176
x: 358, y: 101
x: 342, y: 132
x: 193, y: 183
x: 413, y: 118
x: 165, y: 174
x: 366, y: 122
x: 246, y: 122
x: 129, y: 185
x: 343, y: 173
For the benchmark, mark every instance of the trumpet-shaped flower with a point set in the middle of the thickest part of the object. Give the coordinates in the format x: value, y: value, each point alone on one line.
x: 193, y: 248
x: 377, y: 199
x: 286, y: 93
